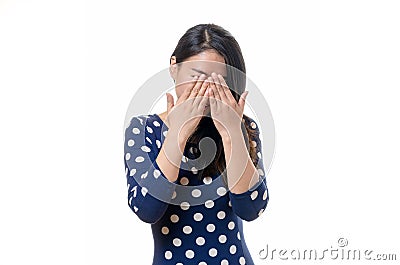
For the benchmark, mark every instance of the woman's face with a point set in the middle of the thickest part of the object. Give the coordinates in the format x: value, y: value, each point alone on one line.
x: 206, y: 62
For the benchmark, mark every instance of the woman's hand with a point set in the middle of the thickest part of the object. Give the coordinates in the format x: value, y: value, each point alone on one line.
x: 184, y: 116
x: 227, y: 114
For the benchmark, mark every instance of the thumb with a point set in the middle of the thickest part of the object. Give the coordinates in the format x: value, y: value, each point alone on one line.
x: 170, y: 101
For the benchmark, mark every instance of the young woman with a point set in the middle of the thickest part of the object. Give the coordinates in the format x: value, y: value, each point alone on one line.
x: 195, y: 204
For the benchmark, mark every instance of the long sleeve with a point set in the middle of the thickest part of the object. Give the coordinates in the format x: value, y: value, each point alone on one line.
x: 250, y: 204
x: 149, y: 191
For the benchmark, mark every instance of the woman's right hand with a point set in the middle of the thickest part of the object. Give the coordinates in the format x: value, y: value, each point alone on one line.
x: 184, y: 116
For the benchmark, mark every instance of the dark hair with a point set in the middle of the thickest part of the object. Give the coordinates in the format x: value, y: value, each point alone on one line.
x: 213, y: 37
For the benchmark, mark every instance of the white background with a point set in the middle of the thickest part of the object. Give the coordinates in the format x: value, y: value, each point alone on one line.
x: 329, y: 71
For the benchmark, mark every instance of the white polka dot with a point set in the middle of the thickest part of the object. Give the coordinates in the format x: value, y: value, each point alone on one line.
x: 139, y: 159
x: 156, y: 173
x: 185, y: 159
x: 135, y: 130
x: 210, y: 228
x: 185, y: 205
x: 144, y: 191
x: 260, y: 172
x: 145, y: 148
x: 198, y: 217
x: 144, y: 175
x: 148, y: 139
x: 265, y: 195
x: 168, y: 254
x: 209, y: 204
x: 127, y: 156
x: 191, y: 150
x: 132, y: 172
x: 149, y: 129
x: 179, y: 263
x: 232, y: 249
x: 158, y: 143
x: 259, y: 154
x: 207, y: 180
x: 231, y: 225
x: 135, y: 208
x: 131, y: 142
x: 221, y: 191
x: 177, y: 242
x: 230, y: 204
x: 174, y: 218
x: 260, y: 212
x: 165, y: 133
x: 253, y: 195
x: 134, y: 189
x: 238, y: 235
x: 173, y: 195
x: 242, y: 261
x: 224, y: 262
x: 156, y: 123
x: 200, y: 241
x: 222, y: 239
x: 212, y: 252
x: 196, y: 193
x: 194, y: 170
x: 164, y: 230
x: 202, y: 263
x: 187, y: 229
x: 221, y: 215
x: 189, y: 254
x: 253, y: 125
x: 184, y: 181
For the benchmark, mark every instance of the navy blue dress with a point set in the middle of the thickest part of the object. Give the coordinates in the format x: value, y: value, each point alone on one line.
x: 194, y: 221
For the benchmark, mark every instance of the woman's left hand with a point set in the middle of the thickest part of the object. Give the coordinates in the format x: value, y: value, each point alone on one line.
x: 227, y: 114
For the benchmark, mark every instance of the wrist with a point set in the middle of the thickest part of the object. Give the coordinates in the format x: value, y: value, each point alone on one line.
x: 230, y: 135
x: 175, y: 137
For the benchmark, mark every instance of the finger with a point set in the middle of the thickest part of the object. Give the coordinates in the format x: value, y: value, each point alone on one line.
x: 216, y: 96
x: 220, y: 91
x: 213, y: 87
x: 242, y: 99
x: 187, y: 91
x: 197, y: 86
x: 213, y: 102
x: 226, y: 89
x: 207, y: 94
x: 200, y: 96
x: 205, y: 100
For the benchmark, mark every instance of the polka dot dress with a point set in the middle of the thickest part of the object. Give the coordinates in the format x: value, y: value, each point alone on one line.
x: 194, y: 220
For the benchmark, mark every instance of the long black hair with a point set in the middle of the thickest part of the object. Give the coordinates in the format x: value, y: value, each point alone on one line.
x: 204, y: 37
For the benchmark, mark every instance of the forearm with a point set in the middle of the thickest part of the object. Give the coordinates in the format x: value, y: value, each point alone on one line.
x: 170, y: 155
x: 240, y: 169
